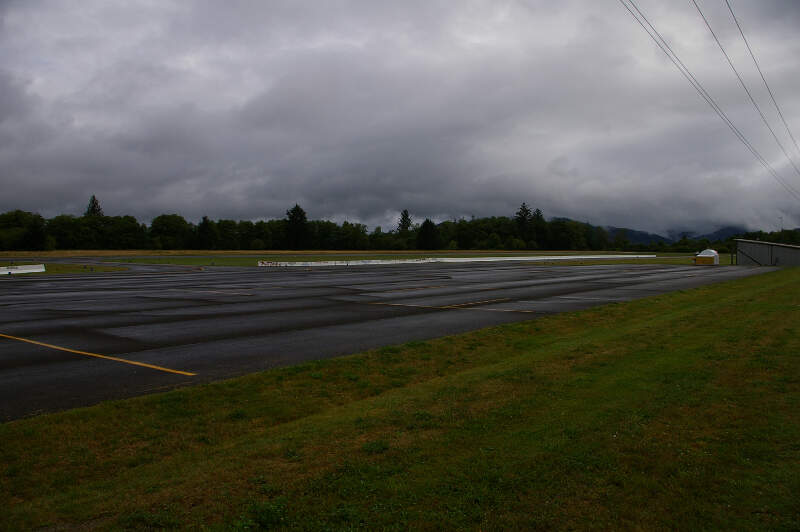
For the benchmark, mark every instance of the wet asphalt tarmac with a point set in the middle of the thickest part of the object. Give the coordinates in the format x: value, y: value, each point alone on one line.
x: 221, y: 322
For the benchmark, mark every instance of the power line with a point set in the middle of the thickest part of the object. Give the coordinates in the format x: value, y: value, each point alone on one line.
x: 683, y: 69
x: 744, y: 86
x: 769, y: 90
x: 687, y: 73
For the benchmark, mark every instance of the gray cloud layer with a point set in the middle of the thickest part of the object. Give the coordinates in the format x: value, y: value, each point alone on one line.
x: 358, y: 109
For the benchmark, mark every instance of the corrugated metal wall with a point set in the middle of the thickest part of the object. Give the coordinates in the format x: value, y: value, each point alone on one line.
x: 754, y: 253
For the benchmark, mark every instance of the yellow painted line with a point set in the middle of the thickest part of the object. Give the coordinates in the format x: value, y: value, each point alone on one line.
x: 95, y: 355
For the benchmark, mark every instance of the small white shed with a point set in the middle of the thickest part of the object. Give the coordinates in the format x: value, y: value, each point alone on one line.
x: 707, y: 257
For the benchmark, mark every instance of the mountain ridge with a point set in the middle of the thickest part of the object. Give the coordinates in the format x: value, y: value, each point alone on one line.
x: 635, y: 236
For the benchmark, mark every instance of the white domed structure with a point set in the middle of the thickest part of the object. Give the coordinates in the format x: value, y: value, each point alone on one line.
x: 707, y: 257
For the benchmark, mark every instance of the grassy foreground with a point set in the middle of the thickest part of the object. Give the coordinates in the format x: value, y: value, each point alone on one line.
x: 679, y: 411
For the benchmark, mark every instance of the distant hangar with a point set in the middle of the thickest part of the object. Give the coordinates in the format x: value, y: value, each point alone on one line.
x: 757, y: 253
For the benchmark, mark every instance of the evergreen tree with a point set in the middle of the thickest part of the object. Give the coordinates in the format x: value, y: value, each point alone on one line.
x: 207, y: 234
x: 93, y: 209
x: 404, y: 225
x: 540, y: 232
x: 524, y: 214
x: 428, y: 236
x: 524, y: 219
x: 296, y: 227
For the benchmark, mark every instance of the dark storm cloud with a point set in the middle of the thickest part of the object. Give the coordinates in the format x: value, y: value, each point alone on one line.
x: 359, y: 109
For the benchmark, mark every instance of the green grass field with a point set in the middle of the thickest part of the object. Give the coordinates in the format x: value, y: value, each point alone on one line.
x: 250, y: 258
x: 56, y: 268
x: 278, y: 253
x: 252, y: 261
x: 680, y: 411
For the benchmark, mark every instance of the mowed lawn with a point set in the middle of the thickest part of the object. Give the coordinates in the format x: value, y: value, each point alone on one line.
x: 55, y: 268
x: 250, y: 258
x: 252, y: 261
x: 675, y: 412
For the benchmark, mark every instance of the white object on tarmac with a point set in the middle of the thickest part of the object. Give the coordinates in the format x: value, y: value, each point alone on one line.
x: 707, y: 256
x: 22, y: 268
x: 540, y: 258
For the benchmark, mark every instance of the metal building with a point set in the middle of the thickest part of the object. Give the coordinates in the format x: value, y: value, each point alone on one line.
x: 757, y: 253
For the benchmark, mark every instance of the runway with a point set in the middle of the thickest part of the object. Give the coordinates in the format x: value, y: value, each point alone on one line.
x: 68, y: 341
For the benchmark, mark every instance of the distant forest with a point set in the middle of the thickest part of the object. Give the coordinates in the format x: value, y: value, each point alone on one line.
x: 527, y: 229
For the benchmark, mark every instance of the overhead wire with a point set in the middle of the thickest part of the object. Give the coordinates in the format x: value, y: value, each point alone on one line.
x: 769, y: 90
x: 684, y: 70
x: 746, y: 90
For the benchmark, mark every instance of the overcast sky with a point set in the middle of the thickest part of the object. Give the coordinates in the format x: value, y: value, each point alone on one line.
x: 356, y: 110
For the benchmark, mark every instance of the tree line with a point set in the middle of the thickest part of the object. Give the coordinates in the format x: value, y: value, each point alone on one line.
x: 527, y: 229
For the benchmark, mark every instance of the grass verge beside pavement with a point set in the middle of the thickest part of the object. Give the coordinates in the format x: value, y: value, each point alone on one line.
x: 250, y: 258
x: 678, y: 411
x: 194, y: 257
x: 57, y: 268
x: 252, y: 261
